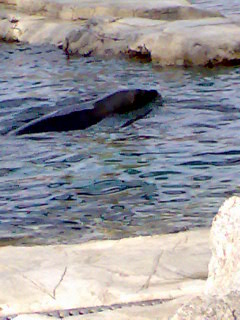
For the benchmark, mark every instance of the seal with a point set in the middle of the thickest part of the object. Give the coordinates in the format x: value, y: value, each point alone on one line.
x: 90, y: 113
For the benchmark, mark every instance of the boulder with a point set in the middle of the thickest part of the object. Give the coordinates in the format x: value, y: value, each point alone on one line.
x: 182, y: 42
x: 211, y: 308
x: 224, y: 267
x: 222, y: 290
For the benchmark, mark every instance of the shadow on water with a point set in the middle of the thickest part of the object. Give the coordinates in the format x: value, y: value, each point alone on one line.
x: 166, y: 172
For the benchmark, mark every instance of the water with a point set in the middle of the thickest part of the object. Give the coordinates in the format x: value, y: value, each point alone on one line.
x: 229, y: 8
x: 167, y: 172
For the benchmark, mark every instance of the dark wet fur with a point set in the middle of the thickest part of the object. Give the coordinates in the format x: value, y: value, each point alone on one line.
x: 77, y: 118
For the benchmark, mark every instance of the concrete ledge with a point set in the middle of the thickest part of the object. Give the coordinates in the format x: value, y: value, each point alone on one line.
x: 102, y: 273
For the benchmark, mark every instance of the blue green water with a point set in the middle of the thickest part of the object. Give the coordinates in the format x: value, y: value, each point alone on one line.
x: 167, y: 172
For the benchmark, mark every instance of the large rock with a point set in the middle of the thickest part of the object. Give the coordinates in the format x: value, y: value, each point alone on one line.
x: 74, y: 10
x: 224, y: 267
x: 222, y: 291
x: 211, y: 308
x: 168, y: 32
x: 124, y: 276
x: 183, y: 42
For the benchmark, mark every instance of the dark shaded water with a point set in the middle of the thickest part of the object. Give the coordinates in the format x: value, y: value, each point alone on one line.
x: 167, y: 172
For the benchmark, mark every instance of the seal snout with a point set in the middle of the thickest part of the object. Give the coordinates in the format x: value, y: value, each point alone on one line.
x: 154, y: 93
x: 144, y: 97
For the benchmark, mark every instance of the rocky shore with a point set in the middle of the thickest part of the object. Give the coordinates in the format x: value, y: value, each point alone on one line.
x: 157, y: 277
x: 168, y: 32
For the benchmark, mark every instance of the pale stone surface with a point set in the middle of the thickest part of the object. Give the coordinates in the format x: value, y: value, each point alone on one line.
x: 183, y: 42
x: 211, y: 308
x: 102, y: 273
x: 188, y: 42
x: 222, y: 291
x: 167, y: 32
x: 224, y: 267
x: 74, y: 9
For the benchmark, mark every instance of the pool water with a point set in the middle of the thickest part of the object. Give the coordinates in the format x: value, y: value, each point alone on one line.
x: 167, y: 172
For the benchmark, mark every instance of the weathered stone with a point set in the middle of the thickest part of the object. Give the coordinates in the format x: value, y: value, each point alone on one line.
x: 193, y: 42
x: 74, y: 10
x: 207, y: 42
x: 224, y: 267
x: 222, y: 291
x: 47, y: 278
x: 211, y: 308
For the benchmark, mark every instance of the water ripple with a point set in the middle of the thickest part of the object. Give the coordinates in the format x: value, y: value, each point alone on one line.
x: 164, y: 173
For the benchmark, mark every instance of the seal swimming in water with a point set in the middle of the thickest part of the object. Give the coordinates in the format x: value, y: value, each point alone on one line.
x: 82, y: 117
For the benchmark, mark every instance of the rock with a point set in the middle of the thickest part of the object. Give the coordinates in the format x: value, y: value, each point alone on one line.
x: 222, y: 291
x: 166, y: 43
x: 152, y: 31
x: 168, y: 32
x: 211, y: 308
x: 74, y: 10
x: 224, y: 267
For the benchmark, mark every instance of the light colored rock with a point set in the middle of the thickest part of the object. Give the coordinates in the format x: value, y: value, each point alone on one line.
x: 211, y: 308
x: 167, y: 32
x: 188, y: 42
x: 73, y: 9
x: 224, y: 267
x: 37, y: 279
x: 222, y: 292
x: 34, y: 317
x: 183, y: 42
x: 35, y: 29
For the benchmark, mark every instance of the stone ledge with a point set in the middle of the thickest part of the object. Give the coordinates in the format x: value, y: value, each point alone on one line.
x: 45, y: 278
x: 75, y: 10
x: 205, y: 42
